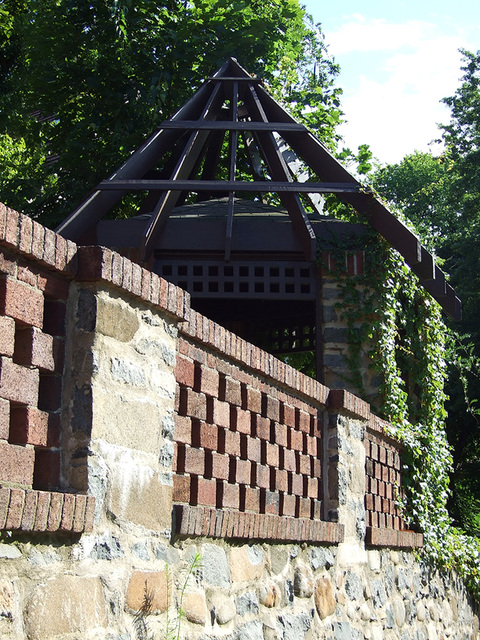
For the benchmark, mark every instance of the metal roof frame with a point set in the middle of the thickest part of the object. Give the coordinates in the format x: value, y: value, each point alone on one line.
x: 195, y: 135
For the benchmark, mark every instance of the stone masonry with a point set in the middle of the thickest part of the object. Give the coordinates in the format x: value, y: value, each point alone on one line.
x: 152, y: 462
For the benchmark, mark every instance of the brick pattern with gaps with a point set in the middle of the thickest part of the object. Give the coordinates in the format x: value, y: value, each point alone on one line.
x: 383, y: 483
x: 242, y: 444
x: 36, y: 266
x: 33, y: 308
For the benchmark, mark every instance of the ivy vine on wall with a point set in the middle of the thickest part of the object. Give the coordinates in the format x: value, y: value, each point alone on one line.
x: 393, y: 321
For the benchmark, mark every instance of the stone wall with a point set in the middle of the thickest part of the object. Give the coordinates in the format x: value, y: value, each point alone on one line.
x: 174, y: 439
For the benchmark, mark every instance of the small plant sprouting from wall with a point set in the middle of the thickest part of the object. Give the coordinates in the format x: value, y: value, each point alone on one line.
x: 173, y: 624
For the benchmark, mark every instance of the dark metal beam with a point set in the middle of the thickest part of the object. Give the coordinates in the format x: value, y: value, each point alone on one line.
x: 98, y: 203
x: 265, y: 186
x: 227, y: 125
x: 183, y: 169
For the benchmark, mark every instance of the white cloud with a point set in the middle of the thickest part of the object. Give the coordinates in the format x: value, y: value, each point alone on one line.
x: 397, y: 74
x: 375, y: 34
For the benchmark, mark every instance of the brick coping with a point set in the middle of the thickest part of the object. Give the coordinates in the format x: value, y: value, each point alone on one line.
x: 228, y: 524
x: 88, y: 263
x: 29, y: 510
x: 377, y: 537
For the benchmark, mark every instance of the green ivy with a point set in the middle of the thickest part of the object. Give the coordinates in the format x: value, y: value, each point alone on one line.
x: 402, y: 332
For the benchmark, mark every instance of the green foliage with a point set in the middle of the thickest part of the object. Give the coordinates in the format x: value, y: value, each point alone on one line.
x: 86, y: 83
x: 173, y: 625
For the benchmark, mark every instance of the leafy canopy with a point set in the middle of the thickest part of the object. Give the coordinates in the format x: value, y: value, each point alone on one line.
x: 84, y: 83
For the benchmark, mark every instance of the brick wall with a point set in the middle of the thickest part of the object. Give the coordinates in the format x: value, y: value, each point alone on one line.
x: 244, y: 444
x: 251, y: 457
x: 36, y: 266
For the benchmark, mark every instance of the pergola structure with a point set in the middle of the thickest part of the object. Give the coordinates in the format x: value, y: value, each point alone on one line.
x: 204, y: 181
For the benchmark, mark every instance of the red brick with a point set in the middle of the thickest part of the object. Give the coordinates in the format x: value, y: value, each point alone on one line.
x: 18, y: 383
x: 230, y: 495
x: 312, y: 448
x: 4, y: 419
x: 253, y: 449
x: 288, y: 415
x: 303, y: 421
x: 8, y: 264
x: 221, y: 413
x: 49, y: 246
x: 281, y: 480
x: 183, y: 429
x: 55, y: 511
x: 194, y: 461
x: 209, y: 381
x: 206, y: 492
x: 312, y: 488
x: 271, y: 408
x: 272, y: 454
x: 207, y: 436
x: 252, y: 499
x: 136, y: 279
x: 220, y: 466
x: 289, y: 460
x: 78, y: 518
x: 29, y: 510
x: 181, y: 488
x: 263, y: 476
x: 241, y: 420
x: 29, y: 425
x: 272, y: 502
x: 27, y: 274
x: 68, y: 510
x: 7, y: 336
x: 21, y: 302
x: 232, y: 443
x: 297, y: 484
x: 185, y: 372
x: 3, y: 220
x: 38, y: 237
x: 316, y: 467
x: 43, y: 506
x: 47, y: 469
x: 26, y: 234
x: 16, y: 464
x: 296, y: 440
x: 15, y: 509
x: 254, y: 400
x: 196, y: 404
x: 281, y: 434
x: 382, y: 455
x: 304, y: 508
x: 243, y: 472
x: 304, y: 464
x: 32, y: 347
x: 12, y: 227
x: 263, y: 428
x: 4, y: 498
x: 233, y: 391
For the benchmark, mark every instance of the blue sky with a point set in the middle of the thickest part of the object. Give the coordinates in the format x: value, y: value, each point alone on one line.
x: 398, y: 59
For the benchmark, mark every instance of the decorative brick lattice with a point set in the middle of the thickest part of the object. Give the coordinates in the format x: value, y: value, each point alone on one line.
x: 383, y: 482
x: 241, y: 443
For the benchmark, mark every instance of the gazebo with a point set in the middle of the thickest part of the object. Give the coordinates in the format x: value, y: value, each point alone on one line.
x: 230, y: 207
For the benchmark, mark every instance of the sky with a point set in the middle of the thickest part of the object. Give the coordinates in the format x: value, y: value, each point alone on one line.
x: 398, y: 59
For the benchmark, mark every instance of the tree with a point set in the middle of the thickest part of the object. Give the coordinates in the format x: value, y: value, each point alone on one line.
x: 85, y: 83
x: 441, y: 196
